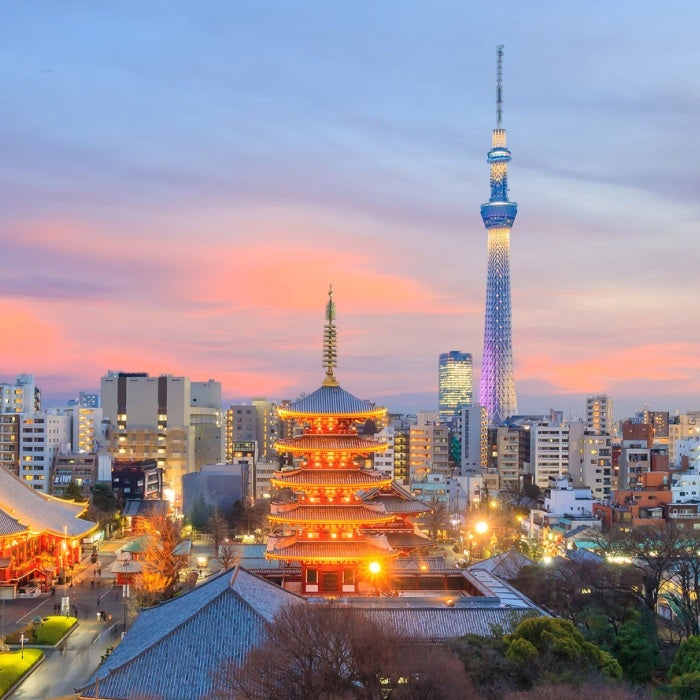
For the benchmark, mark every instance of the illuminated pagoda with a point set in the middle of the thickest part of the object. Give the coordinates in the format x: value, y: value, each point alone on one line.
x: 326, y: 527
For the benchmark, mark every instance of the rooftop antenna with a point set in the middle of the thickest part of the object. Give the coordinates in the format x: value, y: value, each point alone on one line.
x: 499, y: 85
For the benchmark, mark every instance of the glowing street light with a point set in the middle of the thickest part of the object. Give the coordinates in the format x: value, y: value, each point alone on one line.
x: 481, y: 527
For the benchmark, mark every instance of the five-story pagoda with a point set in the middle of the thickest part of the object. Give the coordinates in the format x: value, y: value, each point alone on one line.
x: 326, y: 526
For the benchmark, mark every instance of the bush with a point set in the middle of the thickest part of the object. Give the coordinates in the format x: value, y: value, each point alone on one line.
x: 13, y: 667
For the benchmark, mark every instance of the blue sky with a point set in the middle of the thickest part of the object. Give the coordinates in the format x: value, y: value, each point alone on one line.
x: 180, y: 183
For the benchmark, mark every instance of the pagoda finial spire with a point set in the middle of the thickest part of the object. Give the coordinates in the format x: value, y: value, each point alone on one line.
x: 330, y: 342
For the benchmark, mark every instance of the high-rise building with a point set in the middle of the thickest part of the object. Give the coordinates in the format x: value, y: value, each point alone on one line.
x: 16, y: 401
x: 257, y: 421
x: 497, y: 388
x: 599, y: 414
x: 166, y: 418
x: 455, y: 383
x: 428, y: 448
x: 549, y: 452
x: 471, y: 431
x: 42, y: 435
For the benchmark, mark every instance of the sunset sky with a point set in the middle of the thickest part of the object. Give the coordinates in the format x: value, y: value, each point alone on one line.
x: 180, y: 182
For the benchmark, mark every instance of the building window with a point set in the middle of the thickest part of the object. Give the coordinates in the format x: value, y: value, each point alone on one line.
x: 312, y: 576
x: 348, y: 577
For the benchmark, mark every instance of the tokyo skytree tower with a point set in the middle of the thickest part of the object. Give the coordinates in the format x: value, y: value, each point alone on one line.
x: 497, y: 389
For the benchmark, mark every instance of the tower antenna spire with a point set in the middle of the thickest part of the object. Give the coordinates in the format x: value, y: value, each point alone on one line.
x: 330, y: 342
x: 499, y: 85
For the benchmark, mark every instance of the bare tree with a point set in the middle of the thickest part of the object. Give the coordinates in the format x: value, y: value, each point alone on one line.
x: 227, y: 554
x: 437, y: 518
x: 333, y: 653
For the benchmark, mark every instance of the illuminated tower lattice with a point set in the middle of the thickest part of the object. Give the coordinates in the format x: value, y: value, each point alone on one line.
x: 497, y: 389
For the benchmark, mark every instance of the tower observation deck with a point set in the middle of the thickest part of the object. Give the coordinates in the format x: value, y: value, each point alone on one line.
x: 497, y: 388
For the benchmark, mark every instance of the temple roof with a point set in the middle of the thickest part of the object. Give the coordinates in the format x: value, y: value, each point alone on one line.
x: 330, y: 443
x: 217, y: 622
x: 331, y: 514
x: 39, y: 512
x: 395, y: 499
x: 10, y: 526
x: 331, y: 550
x: 330, y: 478
x: 331, y: 400
x: 404, y: 540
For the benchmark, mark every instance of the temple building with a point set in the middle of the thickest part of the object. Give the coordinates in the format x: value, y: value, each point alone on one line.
x: 40, y: 536
x: 327, y: 515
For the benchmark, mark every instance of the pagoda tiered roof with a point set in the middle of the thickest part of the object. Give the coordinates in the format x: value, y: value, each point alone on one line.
x: 331, y: 514
x: 330, y: 443
x: 330, y: 478
x: 331, y: 400
x: 332, y: 550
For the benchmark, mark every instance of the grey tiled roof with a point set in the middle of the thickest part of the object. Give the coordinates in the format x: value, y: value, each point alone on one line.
x: 173, y: 650
x: 395, y: 499
x: 331, y: 400
x: 394, y: 504
x: 10, y: 526
x: 40, y: 512
x: 408, y: 539
x: 432, y: 624
x: 506, y: 565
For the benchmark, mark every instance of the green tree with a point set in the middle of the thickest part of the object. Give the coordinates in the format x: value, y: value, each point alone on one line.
x: 635, y: 651
x: 546, y: 646
x: 200, y: 514
x: 684, y: 673
x: 74, y: 492
x: 104, y: 505
x: 687, y: 659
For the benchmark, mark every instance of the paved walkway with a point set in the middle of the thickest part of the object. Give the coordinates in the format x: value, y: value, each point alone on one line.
x: 71, y: 665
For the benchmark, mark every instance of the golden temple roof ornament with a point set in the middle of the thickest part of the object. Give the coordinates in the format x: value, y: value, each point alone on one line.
x: 330, y: 342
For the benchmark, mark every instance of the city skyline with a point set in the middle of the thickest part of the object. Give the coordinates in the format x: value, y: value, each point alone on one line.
x: 179, y: 189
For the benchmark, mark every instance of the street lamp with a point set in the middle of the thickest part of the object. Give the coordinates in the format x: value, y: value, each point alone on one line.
x: 125, y: 592
x: 65, y: 604
x: 22, y: 640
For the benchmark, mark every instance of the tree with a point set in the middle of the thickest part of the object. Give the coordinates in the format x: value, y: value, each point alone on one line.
x: 74, y: 492
x: 332, y: 653
x: 163, y: 560
x: 549, y: 646
x: 635, y: 651
x: 200, y: 514
x: 228, y: 554
x: 217, y: 528
x: 684, y: 673
x: 436, y: 518
x: 682, y: 589
x: 104, y: 505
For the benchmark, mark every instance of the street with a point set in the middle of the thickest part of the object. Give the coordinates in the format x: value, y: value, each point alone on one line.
x: 68, y: 667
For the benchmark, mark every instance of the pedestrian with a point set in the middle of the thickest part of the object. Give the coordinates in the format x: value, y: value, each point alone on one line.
x: 75, y: 611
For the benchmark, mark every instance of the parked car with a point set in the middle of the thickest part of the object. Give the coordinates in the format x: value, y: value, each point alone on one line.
x: 28, y: 592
